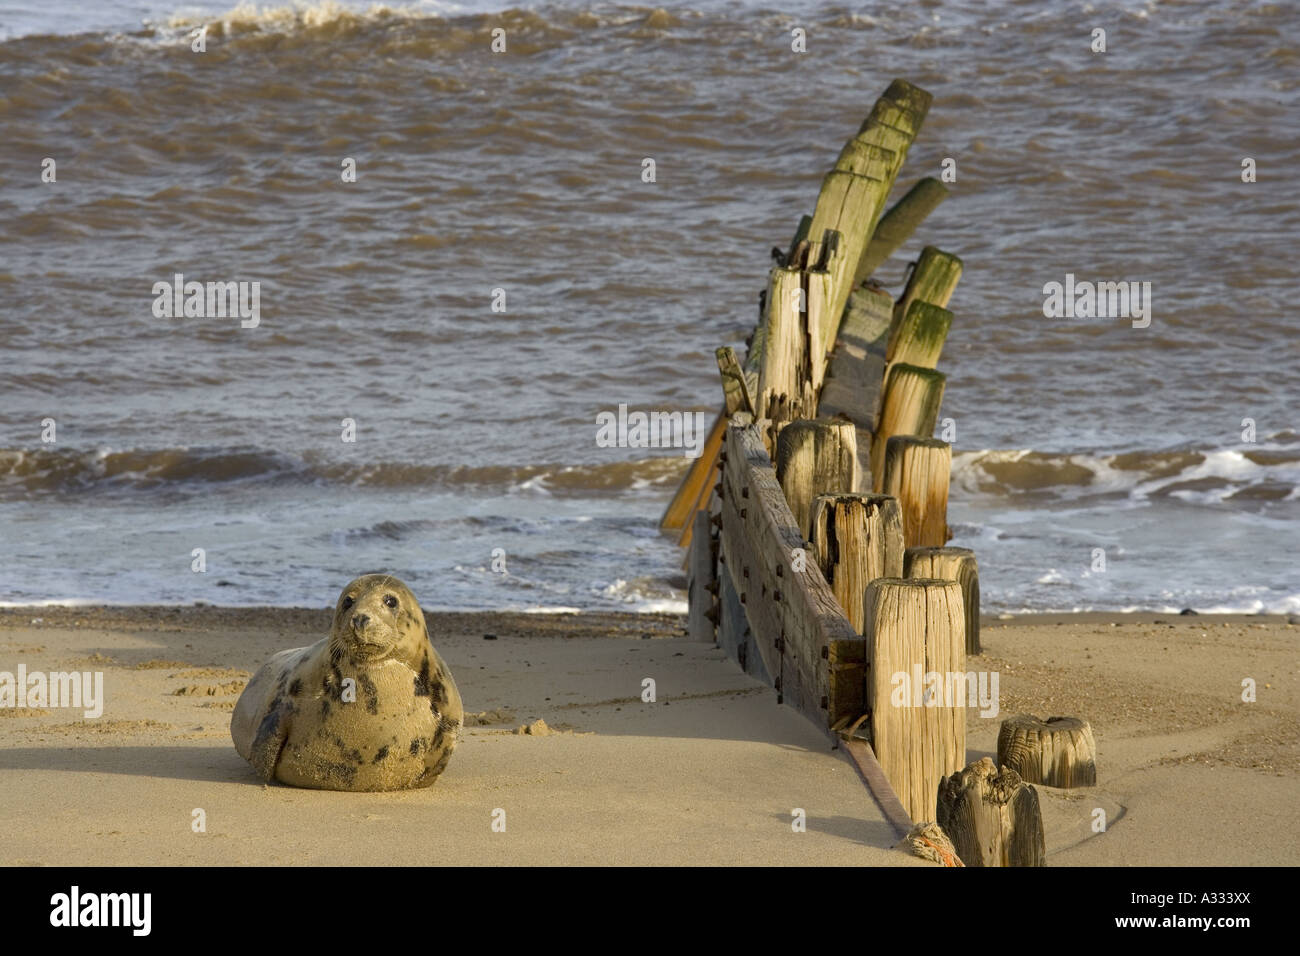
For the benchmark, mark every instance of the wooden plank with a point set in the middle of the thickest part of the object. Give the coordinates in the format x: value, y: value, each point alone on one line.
x: 734, y: 635
x: 701, y: 581
x: 864, y: 760
x: 685, y: 501
x: 898, y: 224
x: 699, y: 481
x: 745, y: 568
x: 813, y: 627
x: 855, y: 374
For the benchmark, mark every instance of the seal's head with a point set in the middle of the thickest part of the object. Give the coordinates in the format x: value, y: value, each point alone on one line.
x: 375, y: 618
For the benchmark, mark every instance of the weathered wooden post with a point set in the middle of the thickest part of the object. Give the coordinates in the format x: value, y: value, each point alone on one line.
x: 933, y: 280
x: 782, y: 367
x: 917, y: 650
x: 917, y: 474
x: 1057, y: 752
x: 992, y: 818
x: 856, y: 539
x: 848, y: 204
x: 897, y: 225
x: 813, y: 458
x: 921, y: 335
x: 952, y: 564
x: 910, y: 406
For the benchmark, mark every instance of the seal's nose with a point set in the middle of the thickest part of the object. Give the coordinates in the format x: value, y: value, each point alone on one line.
x: 359, y: 621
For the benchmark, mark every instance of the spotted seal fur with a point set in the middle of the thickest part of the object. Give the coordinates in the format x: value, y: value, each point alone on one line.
x: 370, y: 707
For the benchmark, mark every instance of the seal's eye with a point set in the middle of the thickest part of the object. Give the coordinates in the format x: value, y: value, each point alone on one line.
x: 347, y: 602
x: 390, y: 600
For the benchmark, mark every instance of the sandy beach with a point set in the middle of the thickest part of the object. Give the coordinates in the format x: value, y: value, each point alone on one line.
x: 707, y: 774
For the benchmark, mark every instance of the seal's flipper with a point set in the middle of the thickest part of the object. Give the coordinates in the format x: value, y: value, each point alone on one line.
x: 269, y: 740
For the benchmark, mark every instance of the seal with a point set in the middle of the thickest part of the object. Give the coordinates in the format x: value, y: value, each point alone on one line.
x: 371, y: 707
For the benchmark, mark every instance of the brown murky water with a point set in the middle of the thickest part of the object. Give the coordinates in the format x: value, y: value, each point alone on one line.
x: 521, y: 172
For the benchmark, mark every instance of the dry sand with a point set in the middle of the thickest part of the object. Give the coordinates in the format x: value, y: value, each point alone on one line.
x: 709, y: 774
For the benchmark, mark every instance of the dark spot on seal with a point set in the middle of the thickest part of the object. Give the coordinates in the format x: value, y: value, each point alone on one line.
x: 372, y: 693
x: 438, y: 692
x: 325, y: 706
x: 295, y: 687
x: 415, y: 748
x: 380, y: 754
x: 437, y: 739
x: 422, y: 688
x: 356, y: 757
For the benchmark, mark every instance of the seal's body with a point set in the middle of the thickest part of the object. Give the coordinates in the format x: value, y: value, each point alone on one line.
x: 371, y: 707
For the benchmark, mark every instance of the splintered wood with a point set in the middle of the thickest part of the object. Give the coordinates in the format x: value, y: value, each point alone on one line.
x: 992, y: 818
x: 857, y: 538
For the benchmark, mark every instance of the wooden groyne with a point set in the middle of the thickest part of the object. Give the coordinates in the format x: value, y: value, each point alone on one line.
x: 816, y: 520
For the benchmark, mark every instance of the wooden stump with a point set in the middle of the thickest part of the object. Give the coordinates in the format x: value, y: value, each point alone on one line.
x: 992, y: 818
x: 914, y: 629
x: 815, y: 458
x: 921, y: 335
x: 1057, y: 752
x: 897, y: 225
x: 917, y: 473
x: 909, y: 406
x: 702, y: 584
x: 933, y: 280
x: 952, y: 564
x: 856, y: 539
